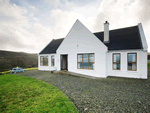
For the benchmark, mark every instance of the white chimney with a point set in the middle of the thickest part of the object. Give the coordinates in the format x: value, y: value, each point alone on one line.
x: 106, y: 32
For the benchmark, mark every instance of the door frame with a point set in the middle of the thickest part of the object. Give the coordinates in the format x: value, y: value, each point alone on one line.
x: 61, y: 55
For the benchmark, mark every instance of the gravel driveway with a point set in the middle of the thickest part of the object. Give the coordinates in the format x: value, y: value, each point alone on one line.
x: 100, y: 95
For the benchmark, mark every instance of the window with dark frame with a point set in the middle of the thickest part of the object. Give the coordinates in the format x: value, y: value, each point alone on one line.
x: 85, y: 61
x: 116, y: 61
x: 52, y: 60
x: 132, y: 61
x: 44, y: 60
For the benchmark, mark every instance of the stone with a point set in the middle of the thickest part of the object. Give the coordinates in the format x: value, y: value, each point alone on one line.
x: 139, y: 102
x: 85, y: 109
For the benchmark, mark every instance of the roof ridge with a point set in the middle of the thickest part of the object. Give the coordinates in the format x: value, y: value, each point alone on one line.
x: 118, y: 29
x: 58, y: 38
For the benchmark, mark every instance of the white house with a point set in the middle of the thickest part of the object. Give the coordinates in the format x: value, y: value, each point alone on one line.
x: 119, y: 52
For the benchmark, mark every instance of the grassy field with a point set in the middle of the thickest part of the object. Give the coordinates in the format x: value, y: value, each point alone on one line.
x: 148, y: 64
x: 24, y: 94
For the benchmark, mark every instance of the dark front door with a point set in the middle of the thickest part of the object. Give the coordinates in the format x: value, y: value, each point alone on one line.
x: 64, y: 62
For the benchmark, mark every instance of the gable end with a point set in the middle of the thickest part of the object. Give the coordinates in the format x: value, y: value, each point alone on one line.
x: 142, y: 36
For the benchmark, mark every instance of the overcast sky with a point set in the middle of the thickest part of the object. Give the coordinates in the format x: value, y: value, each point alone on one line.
x: 29, y: 25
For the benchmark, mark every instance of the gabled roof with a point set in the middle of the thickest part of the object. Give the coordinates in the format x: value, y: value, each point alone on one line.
x: 119, y: 39
x: 52, y: 46
x: 122, y: 39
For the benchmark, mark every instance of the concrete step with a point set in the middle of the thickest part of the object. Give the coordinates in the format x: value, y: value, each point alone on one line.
x: 77, y: 74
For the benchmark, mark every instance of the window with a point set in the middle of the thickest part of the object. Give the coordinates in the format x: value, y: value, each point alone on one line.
x: 44, y: 60
x: 132, y: 61
x: 116, y: 61
x: 52, y: 60
x: 85, y: 61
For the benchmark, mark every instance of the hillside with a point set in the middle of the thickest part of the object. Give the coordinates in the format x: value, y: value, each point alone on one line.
x: 148, y: 56
x: 9, y: 59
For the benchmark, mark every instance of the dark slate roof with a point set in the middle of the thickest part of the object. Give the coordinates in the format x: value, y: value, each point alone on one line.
x: 119, y: 39
x: 52, y: 46
x: 122, y: 39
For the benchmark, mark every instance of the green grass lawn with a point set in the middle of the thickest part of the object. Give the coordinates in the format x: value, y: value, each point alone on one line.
x: 24, y: 94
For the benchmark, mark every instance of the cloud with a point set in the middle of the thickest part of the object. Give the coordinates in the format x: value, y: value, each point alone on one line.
x: 7, y: 39
x: 14, y: 28
x: 36, y: 19
x: 63, y: 21
x: 143, y: 10
x: 11, y: 11
x: 32, y: 7
x: 71, y: 13
x: 126, y: 13
x: 32, y: 14
x: 53, y: 2
x: 10, y: 20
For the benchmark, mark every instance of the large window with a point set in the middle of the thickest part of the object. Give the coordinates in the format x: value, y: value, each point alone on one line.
x: 132, y: 61
x: 85, y: 61
x: 52, y: 60
x: 116, y: 61
x: 44, y: 60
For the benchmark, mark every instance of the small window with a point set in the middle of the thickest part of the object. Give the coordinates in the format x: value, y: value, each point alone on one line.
x: 85, y: 61
x: 132, y: 61
x: 44, y: 60
x: 116, y: 61
x: 52, y: 60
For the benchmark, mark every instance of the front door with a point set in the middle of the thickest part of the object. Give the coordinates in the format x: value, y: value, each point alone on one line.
x: 64, y: 62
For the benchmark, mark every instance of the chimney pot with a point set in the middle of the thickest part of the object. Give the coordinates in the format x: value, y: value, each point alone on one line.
x: 106, y: 22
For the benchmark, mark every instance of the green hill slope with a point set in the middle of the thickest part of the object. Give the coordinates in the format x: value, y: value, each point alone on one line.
x: 9, y: 59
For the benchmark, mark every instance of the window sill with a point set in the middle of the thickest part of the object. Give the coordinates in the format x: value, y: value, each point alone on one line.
x: 86, y: 69
x: 116, y: 70
x: 132, y: 71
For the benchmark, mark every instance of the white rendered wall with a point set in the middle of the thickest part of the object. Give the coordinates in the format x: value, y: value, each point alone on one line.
x: 81, y: 40
x: 49, y: 67
x: 143, y: 64
x: 123, y: 72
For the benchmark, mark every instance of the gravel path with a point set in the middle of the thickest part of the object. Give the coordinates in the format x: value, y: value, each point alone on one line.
x: 100, y: 95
